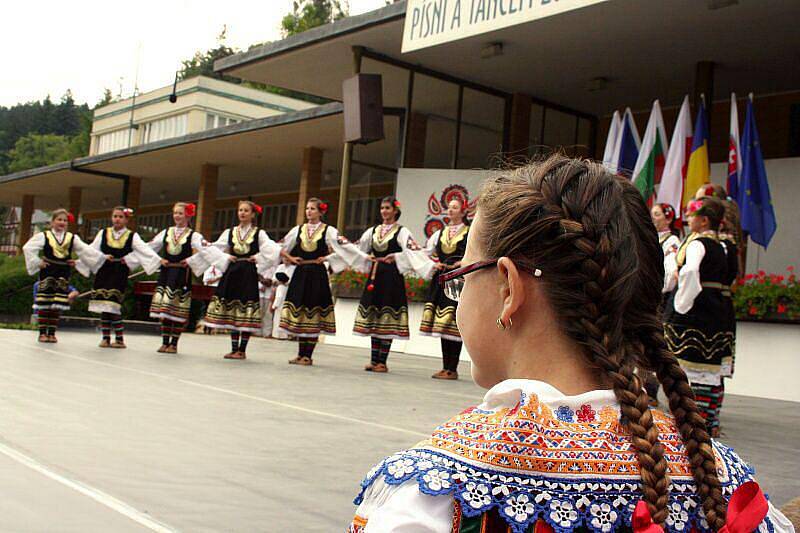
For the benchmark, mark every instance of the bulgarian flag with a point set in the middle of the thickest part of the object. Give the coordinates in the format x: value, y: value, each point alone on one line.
x: 650, y: 163
x: 671, y: 189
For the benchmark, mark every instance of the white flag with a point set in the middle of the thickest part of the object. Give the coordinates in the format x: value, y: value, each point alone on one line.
x: 672, y: 181
x: 611, y: 141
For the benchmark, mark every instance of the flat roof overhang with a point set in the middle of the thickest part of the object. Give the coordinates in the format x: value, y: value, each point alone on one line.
x: 262, y: 155
x: 645, y: 50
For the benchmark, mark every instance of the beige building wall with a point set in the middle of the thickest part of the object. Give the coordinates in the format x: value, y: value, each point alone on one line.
x: 202, y: 103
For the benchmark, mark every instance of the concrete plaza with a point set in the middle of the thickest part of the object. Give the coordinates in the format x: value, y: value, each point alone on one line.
x: 133, y: 440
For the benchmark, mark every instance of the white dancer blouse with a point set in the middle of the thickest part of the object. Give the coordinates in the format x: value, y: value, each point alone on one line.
x: 89, y: 260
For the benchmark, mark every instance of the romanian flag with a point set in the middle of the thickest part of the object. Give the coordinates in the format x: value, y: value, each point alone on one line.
x: 699, y: 170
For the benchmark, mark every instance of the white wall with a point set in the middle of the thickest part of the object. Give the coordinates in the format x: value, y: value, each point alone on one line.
x: 784, y: 184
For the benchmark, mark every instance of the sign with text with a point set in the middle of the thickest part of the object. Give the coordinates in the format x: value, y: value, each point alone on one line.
x: 432, y: 22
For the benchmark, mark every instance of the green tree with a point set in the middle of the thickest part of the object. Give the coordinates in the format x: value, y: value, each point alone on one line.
x: 35, y: 150
x: 307, y: 14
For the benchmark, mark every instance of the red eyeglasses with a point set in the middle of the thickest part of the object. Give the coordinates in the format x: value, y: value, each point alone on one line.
x: 453, y: 281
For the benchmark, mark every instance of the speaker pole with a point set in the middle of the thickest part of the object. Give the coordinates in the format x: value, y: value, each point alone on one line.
x: 347, y: 158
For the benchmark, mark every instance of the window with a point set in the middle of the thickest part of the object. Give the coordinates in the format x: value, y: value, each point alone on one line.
x: 219, y: 121
x: 165, y: 128
x: 433, y: 119
x: 115, y: 140
x: 554, y: 130
x: 361, y: 214
x: 481, y: 138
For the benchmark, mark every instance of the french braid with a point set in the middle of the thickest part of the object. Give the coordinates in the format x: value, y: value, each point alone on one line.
x: 590, y: 232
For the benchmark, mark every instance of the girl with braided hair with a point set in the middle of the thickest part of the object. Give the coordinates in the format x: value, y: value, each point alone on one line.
x: 563, y: 255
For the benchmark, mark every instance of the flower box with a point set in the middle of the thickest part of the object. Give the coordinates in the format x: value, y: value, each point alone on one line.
x: 350, y: 284
x: 768, y: 297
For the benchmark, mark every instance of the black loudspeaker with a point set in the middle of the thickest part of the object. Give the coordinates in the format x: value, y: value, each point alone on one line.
x: 362, y: 96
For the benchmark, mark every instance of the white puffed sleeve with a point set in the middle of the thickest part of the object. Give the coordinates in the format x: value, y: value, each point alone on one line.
x: 89, y: 259
x: 290, y: 239
x: 157, y: 242
x: 689, y: 278
x: 83, y: 268
x: 216, y: 253
x: 269, y: 252
x: 670, y: 271
x: 364, y: 244
x: 345, y: 254
x: 142, y: 256
x: 411, y: 258
x: 31, y: 251
x: 430, y: 246
x: 199, y: 261
x: 403, y: 508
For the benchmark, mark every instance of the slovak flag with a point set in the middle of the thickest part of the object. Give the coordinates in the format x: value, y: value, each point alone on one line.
x: 734, y: 152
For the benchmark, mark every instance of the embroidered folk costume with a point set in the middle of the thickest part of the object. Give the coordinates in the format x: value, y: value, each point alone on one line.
x: 172, y: 300
x: 57, y: 249
x: 446, y: 246
x: 236, y: 304
x: 128, y: 251
x: 531, y: 459
x: 696, y: 327
x: 383, y: 309
x: 307, y: 310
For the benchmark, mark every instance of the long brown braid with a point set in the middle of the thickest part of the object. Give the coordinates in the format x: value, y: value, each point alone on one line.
x: 590, y: 232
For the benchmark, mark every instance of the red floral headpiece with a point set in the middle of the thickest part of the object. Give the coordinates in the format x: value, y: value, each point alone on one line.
x: 694, y: 207
x: 190, y: 210
x: 257, y: 208
x: 128, y: 212
x: 668, y: 210
x: 709, y: 190
x: 323, y: 207
x: 70, y: 218
x: 397, y: 204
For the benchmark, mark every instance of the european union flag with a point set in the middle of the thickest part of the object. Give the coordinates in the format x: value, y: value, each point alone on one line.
x: 755, y: 204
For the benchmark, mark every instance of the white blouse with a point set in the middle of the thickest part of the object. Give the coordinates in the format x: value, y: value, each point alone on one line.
x: 269, y: 252
x: 89, y: 259
x: 141, y: 256
x: 403, y: 508
x: 198, y: 262
x: 344, y: 254
x: 409, y: 259
x: 670, y: 248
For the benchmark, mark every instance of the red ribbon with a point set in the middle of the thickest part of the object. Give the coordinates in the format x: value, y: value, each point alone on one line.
x: 747, y: 508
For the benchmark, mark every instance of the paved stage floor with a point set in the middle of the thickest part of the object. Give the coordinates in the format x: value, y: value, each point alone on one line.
x: 132, y: 440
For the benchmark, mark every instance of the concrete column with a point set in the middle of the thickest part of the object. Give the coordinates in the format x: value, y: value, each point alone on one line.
x: 520, y: 127
x: 310, y: 179
x: 207, y: 199
x: 25, y: 219
x: 417, y: 135
x: 133, y: 199
x: 75, y: 206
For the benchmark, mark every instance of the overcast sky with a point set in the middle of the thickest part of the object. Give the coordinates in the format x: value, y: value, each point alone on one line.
x: 89, y: 45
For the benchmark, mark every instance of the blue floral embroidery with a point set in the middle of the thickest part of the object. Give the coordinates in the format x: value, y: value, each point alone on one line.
x: 565, y: 414
x: 600, y: 505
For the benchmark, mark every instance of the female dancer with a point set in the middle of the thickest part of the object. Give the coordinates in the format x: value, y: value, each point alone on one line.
x: 182, y: 250
x: 447, y: 246
x: 245, y: 250
x: 563, y: 258
x: 383, y: 310
x: 695, y: 325
x: 124, y: 251
x: 730, y: 233
x: 57, y: 246
x: 308, y: 308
